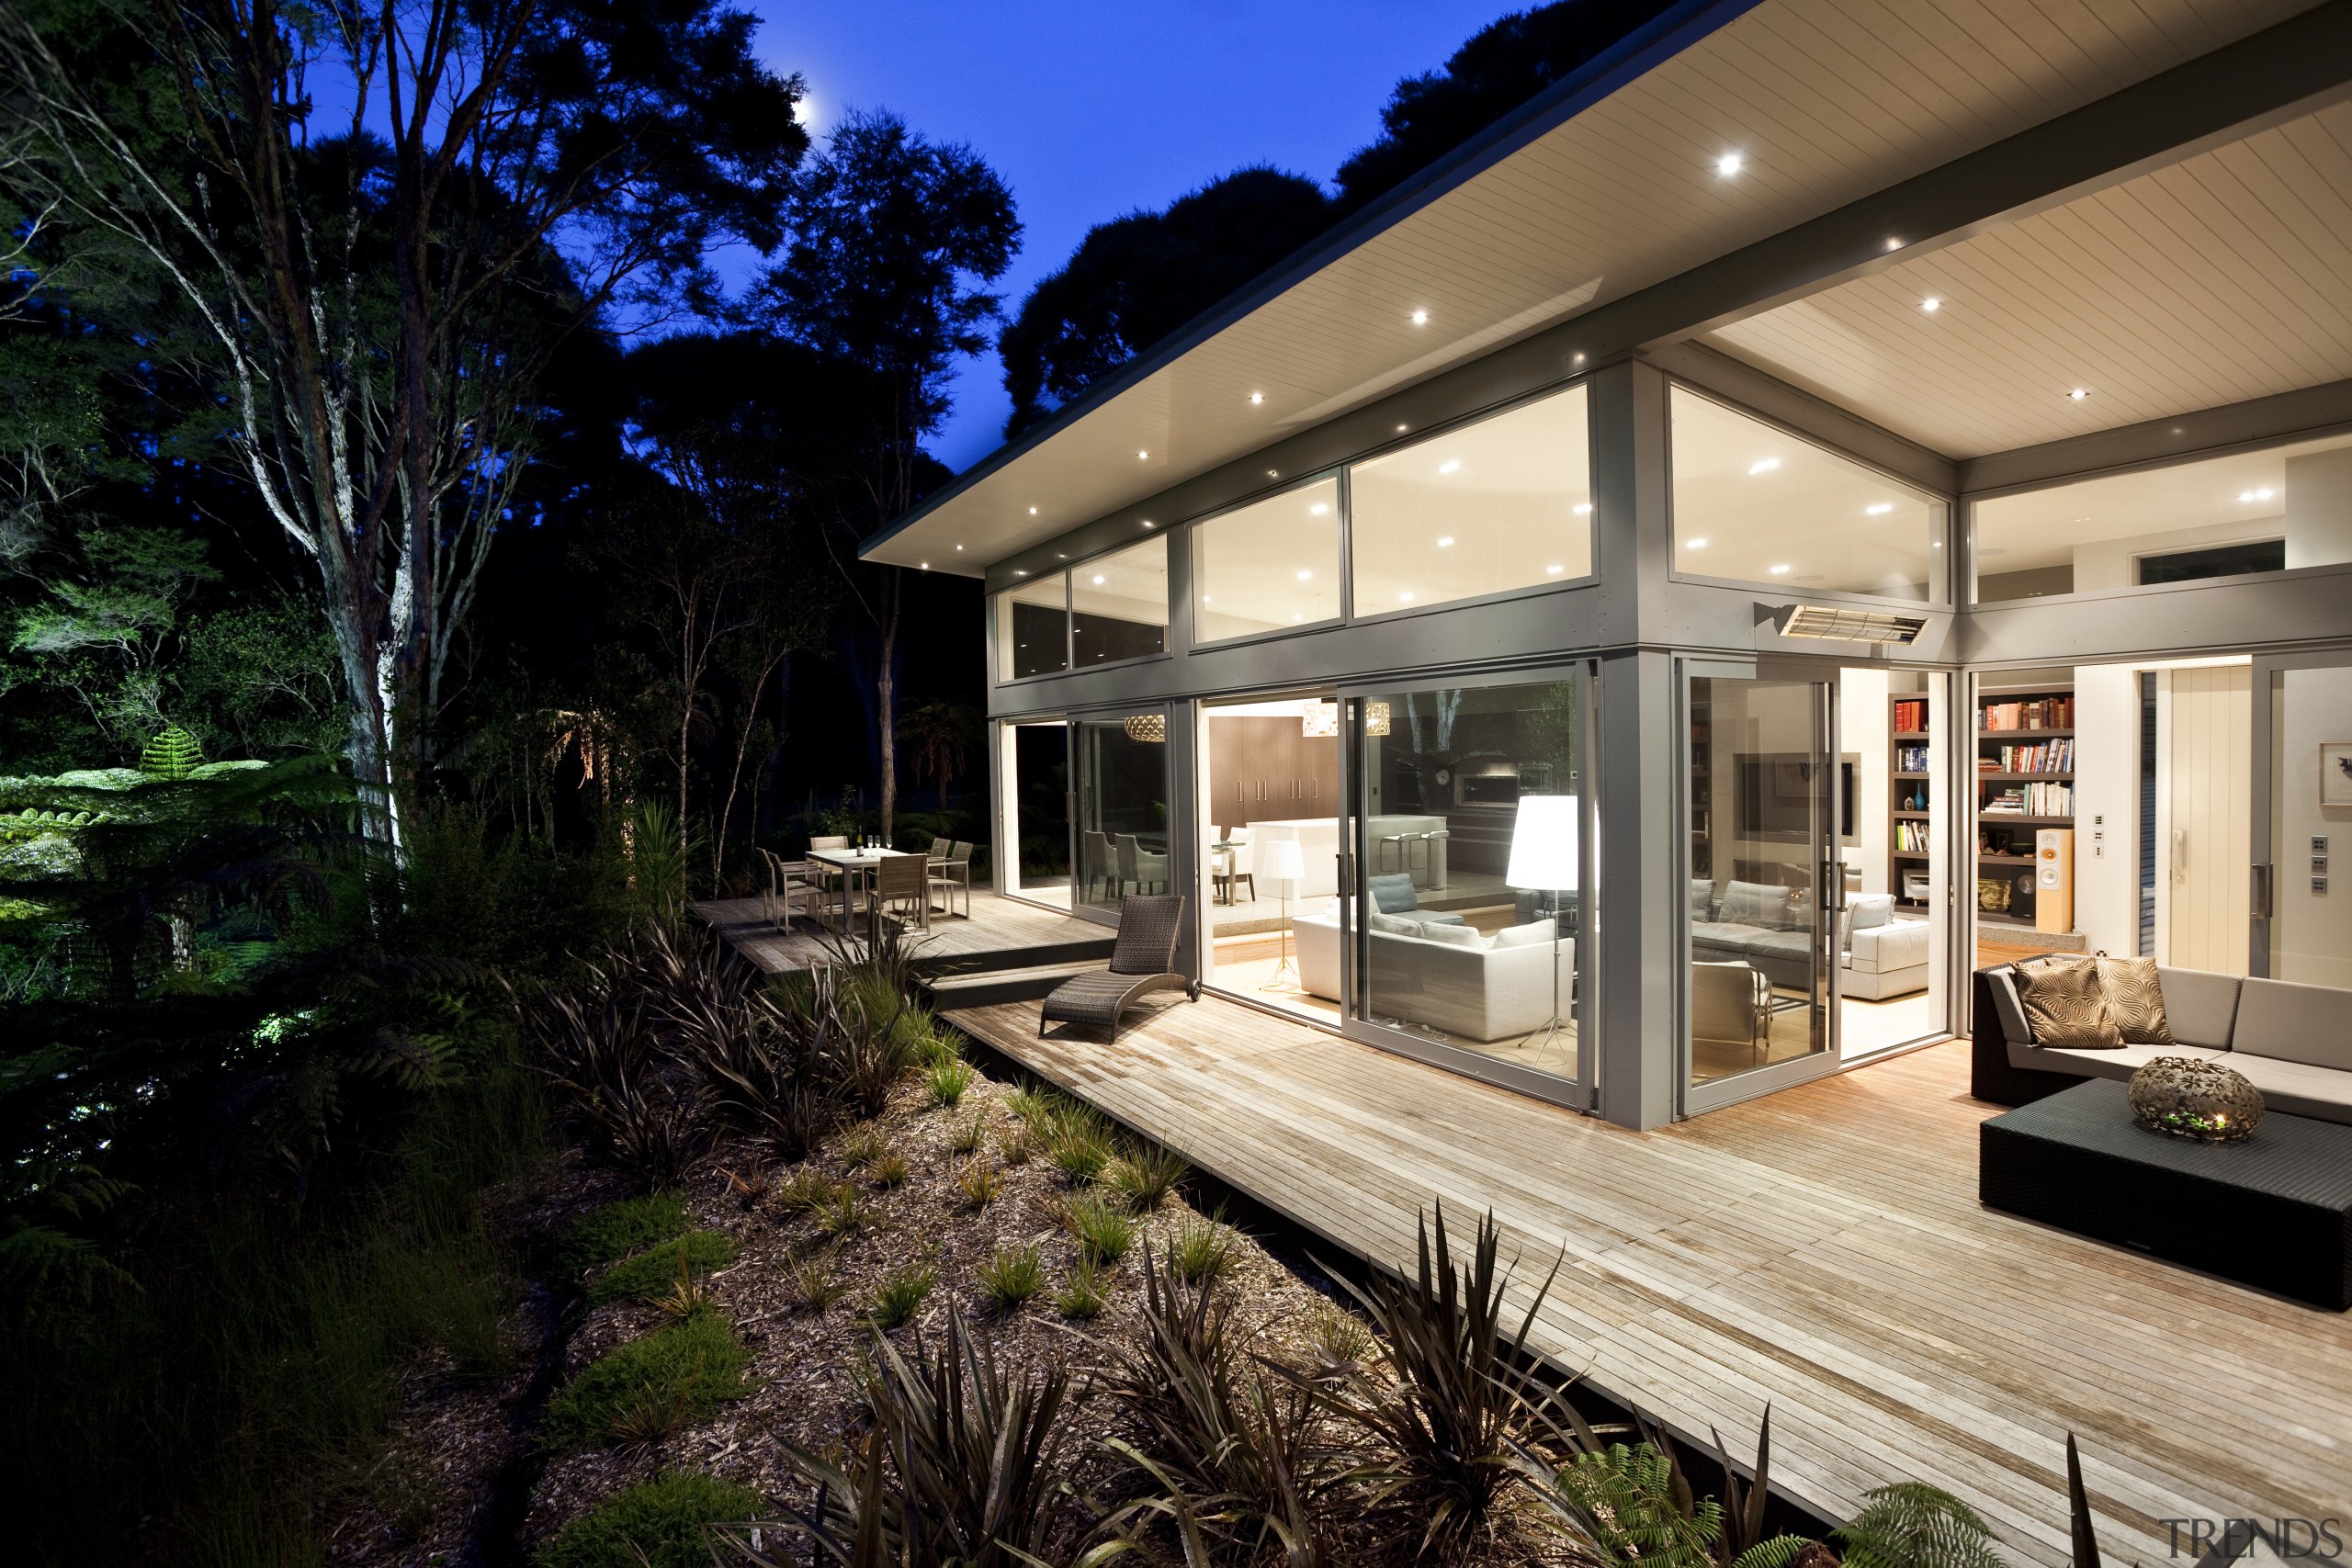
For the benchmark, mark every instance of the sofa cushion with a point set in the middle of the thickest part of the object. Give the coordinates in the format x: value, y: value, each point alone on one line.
x: 1524, y: 936
x: 2118, y: 1064
x: 1395, y: 925
x: 2011, y: 1011
x: 1756, y: 903
x: 1458, y: 936
x: 2201, y: 1006
x: 2290, y: 1023
x: 1898, y: 944
x: 1866, y: 910
x: 1702, y: 898
x: 2134, y: 1000
x: 2295, y: 1088
x: 1392, y: 893
x: 2066, y: 1007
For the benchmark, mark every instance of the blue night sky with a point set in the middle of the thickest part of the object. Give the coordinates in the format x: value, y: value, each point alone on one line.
x: 1090, y: 108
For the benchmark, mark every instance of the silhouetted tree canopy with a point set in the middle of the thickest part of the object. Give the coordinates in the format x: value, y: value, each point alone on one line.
x: 1136, y: 279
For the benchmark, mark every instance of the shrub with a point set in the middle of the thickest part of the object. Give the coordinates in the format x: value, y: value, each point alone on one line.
x: 806, y: 1190
x: 947, y: 1081
x: 650, y: 1273
x: 1145, y: 1175
x: 1015, y: 1144
x: 846, y: 1215
x: 813, y: 1282
x: 655, y: 1524
x: 862, y: 1145
x: 1012, y: 1276
x: 889, y: 1170
x: 1087, y: 1291
x: 936, y: 1049
x: 1027, y: 1104
x: 613, y: 1231
x: 1912, y: 1525
x: 1103, y: 1229
x: 898, y: 1297
x: 964, y: 1138
x: 670, y: 1379
x: 1343, y: 1342
x: 1078, y: 1144
x: 980, y: 1183
x: 1201, y: 1250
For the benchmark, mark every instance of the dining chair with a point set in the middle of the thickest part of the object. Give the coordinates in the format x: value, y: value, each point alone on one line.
x: 826, y: 878
x: 1241, y: 866
x: 786, y: 881
x: 1140, y: 867
x: 1102, y: 862
x: 953, y: 872
x: 902, y: 887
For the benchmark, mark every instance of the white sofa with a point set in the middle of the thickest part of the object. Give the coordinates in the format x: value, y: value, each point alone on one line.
x: 2291, y: 1042
x: 1464, y: 984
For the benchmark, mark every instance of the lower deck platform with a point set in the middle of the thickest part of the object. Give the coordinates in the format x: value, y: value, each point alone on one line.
x: 1821, y: 1249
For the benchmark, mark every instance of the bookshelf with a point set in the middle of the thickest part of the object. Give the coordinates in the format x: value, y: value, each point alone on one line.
x: 2025, y: 781
x: 1909, y: 767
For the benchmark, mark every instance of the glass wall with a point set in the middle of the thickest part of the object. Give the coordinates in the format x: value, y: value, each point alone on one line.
x: 1753, y: 504
x: 1036, y: 810
x: 1468, y: 826
x: 1485, y: 508
x: 1271, y: 565
x: 1269, y: 833
x: 1032, y: 627
x: 2253, y: 511
x: 1119, y: 604
x: 1122, y: 801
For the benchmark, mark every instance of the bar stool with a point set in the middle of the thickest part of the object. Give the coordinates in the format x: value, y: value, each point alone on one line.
x: 1428, y: 843
x: 1395, y: 847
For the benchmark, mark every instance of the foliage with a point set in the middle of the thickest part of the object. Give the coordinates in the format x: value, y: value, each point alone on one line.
x: 847, y: 1215
x: 1343, y: 1343
x: 901, y: 1295
x: 645, y: 1276
x: 1145, y: 1175
x: 1103, y: 1230
x: 814, y: 1284
x: 889, y: 1170
x: 1459, y: 1398
x: 612, y: 1231
x: 1913, y: 1525
x: 1087, y: 1291
x: 963, y: 1137
x: 806, y: 1190
x: 947, y: 1081
x: 963, y: 1466
x: 654, y: 1524
x: 1077, y: 1140
x: 1201, y: 1250
x: 980, y: 1183
x: 1011, y: 1277
x: 646, y: 1388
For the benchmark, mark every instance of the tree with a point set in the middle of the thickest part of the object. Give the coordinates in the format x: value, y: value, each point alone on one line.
x: 892, y: 234
x: 1136, y: 279
x: 940, y: 736
x: 379, y: 301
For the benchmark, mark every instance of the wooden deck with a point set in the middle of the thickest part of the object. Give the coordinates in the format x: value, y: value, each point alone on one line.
x: 1821, y: 1249
x: 999, y: 933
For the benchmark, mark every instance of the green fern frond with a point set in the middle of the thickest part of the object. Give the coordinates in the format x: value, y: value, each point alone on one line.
x: 1776, y: 1552
x: 1629, y: 1492
x: 172, y: 754
x: 1912, y: 1525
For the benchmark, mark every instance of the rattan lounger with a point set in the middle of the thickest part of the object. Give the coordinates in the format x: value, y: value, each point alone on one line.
x: 1148, y: 932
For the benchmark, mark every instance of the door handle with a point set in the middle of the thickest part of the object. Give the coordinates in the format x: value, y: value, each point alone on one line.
x: 2179, y: 852
x: 2258, y: 888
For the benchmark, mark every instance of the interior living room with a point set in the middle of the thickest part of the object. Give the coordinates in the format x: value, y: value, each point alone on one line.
x: 1269, y: 794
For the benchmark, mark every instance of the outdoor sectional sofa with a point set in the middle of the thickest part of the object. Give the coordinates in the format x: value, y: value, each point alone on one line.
x: 2291, y: 1042
x: 1760, y: 924
x: 1434, y: 970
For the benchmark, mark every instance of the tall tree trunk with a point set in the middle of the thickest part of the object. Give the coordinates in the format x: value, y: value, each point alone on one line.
x: 886, y: 699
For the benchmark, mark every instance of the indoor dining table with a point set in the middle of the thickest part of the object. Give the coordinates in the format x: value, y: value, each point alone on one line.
x: 855, y: 866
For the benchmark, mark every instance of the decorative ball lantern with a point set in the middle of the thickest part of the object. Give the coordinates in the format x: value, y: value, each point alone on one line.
x: 2194, y: 1098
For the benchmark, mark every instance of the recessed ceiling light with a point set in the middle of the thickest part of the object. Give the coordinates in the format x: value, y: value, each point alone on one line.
x: 1446, y: 542
x: 1931, y: 304
x: 1304, y: 575
x: 1449, y: 466
x: 1421, y: 318
x: 1257, y: 397
x: 1404, y: 598
x: 1763, y: 466
x: 1780, y: 571
x: 1694, y: 544
x: 1272, y: 475
x: 1143, y: 454
x: 1317, y: 510
x: 1061, y: 558
x: 1098, y: 579
x: 959, y: 546
x: 1582, y: 507
x: 1575, y: 359
x: 1298, y: 617
x: 2264, y: 493
x: 1018, y: 572
x: 1033, y: 512
x: 922, y: 566
x: 1730, y: 164
x: 1146, y: 522
x: 1554, y: 571
x: 1881, y: 510
x: 2079, y: 393
x: 1892, y: 244
x: 1401, y: 429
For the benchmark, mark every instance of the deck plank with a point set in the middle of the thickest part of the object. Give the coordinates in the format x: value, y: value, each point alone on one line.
x: 1821, y: 1249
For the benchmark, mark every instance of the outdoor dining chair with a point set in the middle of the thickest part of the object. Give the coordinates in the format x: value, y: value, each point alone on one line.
x: 1142, y: 962
x: 786, y: 881
x: 902, y: 887
x: 953, y: 872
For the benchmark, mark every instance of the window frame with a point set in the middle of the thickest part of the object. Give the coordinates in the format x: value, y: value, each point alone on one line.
x: 1068, y: 573
x: 1194, y: 642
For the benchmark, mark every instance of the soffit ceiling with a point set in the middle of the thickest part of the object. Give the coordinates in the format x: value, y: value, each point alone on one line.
x: 1827, y: 101
x: 2220, y: 278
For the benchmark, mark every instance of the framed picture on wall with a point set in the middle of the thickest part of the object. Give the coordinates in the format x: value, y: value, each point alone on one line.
x: 2336, y: 773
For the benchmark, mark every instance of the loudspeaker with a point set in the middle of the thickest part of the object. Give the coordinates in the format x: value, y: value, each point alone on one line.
x: 2053, y: 879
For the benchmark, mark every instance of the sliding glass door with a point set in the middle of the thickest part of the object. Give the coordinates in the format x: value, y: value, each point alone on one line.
x: 1119, y: 807
x: 2301, y: 802
x: 1467, y: 854
x: 1766, y: 880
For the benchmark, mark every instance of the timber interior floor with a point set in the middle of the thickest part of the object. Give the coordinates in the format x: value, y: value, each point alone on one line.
x: 1821, y: 1249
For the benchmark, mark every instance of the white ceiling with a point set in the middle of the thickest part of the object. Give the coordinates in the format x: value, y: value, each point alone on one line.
x: 2220, y: 278
x: 1826, y: 100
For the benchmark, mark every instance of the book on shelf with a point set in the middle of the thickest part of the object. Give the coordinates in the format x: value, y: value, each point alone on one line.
x: 2043, y: 712
x: 2028, y: 800
x: 2049, y: 757
x: 1911, y: 714
x: 1911, y: 836
x: 1911, y: 758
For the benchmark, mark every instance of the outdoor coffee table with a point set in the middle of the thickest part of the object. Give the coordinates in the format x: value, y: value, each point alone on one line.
x: 855, y: 865
x: 2274, y: 1211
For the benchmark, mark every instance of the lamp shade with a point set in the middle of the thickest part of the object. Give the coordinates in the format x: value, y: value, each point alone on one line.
x: 1278, y: 861
x: 1544, y: 844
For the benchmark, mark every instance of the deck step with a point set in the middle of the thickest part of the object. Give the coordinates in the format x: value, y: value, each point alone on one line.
x: 991, y: 986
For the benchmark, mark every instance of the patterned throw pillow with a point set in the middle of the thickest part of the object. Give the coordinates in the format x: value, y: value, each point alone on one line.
x: 2065, y: 1005
x: 2135, y: 999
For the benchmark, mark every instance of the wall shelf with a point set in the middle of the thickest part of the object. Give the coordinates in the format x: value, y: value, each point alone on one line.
x: 2005, y: 867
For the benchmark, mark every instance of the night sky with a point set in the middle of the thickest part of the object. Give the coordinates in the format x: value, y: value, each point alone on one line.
x: 1090, y: 108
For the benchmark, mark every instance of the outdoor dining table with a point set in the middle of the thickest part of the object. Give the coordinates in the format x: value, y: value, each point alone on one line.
x: 855, y: 865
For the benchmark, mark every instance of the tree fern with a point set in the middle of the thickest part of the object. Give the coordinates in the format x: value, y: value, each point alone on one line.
x: 1628, y: 1492
x: 1912, y: 1525
x: 172, y: 754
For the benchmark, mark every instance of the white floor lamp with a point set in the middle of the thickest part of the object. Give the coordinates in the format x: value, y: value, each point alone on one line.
x: 1544, y: 859
x: 1284, y: 866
